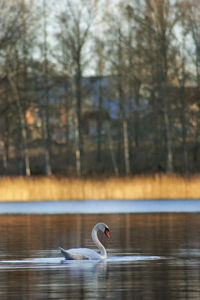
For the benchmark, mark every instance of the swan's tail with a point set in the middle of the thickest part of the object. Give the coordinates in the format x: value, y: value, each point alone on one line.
x: 65, y: 253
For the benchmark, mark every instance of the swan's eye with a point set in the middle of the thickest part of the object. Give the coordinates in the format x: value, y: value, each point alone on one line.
x: 107, y: 232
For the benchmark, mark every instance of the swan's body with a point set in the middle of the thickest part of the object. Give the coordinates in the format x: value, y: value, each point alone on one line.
x: 85, y: 253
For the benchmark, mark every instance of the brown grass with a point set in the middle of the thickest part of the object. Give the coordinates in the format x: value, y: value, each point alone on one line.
x: 140, y: 187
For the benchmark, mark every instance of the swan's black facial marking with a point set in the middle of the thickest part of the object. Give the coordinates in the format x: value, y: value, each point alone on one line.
x: 107, y: 232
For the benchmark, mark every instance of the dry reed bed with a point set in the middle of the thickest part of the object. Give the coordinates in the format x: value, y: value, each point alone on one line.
x: 140, y: 187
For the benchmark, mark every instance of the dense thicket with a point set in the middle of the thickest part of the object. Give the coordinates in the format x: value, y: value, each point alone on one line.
x: 99, y: 87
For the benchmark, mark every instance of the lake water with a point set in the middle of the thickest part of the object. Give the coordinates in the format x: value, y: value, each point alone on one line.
x: 150, y: 256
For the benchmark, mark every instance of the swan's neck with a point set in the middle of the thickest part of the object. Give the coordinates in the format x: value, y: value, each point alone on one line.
x: 98, y: 243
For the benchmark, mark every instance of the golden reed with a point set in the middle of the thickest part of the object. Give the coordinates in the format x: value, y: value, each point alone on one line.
x: 138, y: 187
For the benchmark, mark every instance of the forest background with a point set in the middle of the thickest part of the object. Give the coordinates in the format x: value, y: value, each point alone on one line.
x: 99, y: 88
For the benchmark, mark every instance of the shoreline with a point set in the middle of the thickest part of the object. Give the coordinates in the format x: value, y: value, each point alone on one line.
x: 101, y: 207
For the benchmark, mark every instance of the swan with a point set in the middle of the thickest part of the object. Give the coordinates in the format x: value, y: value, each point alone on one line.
x: 85, y: 253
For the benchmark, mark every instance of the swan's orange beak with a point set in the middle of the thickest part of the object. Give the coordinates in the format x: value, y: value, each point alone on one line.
x: 107, y: 233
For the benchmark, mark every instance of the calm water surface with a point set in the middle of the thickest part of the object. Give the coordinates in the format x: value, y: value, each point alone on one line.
x: 151, y: 256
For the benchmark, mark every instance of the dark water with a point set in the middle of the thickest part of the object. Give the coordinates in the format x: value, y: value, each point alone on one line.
x: 151, y: 256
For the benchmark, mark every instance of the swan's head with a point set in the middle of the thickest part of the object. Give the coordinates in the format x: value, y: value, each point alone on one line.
x: 104, y: 228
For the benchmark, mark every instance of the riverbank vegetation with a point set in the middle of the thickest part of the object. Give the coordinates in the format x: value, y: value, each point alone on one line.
x: 139, y: 187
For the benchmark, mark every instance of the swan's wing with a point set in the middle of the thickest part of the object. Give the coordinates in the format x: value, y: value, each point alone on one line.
x: 79, y: 253
x: 66, y: 255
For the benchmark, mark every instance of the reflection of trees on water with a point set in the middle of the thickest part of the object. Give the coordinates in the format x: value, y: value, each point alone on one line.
x: 154, y: 234
x: 174, y: 236
x: 178, y: 279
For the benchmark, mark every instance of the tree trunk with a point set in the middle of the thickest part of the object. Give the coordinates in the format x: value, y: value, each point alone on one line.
x: 45, y: 114
x: 67, y: 130
x: 22, y: 123
x: 77, y: 148
x: 112, y: 153
x: 124, y: 138
x: 79, y: 135
x: 5, y: 140
x: 99, y: 126
x: 46, y: 134
x: 183, y: 123
x: 168, y: 144
x: 126, y: 147
x: 46, y: 144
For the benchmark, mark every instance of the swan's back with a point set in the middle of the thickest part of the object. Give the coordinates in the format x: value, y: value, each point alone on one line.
x: 80, y: 253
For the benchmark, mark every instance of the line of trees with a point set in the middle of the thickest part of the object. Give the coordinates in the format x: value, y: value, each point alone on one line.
x: 151, y: 51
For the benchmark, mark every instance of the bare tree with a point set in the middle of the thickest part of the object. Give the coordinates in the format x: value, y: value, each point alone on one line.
x: 46, y: 109
x: 75, y: 21
x: 15, y: 66
x: 190, y: 11
x: 157, y: 22
x: 100, y: 67
x: 118, y: 61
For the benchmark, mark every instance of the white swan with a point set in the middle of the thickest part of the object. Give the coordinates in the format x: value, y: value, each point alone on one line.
x: 85, y: 253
